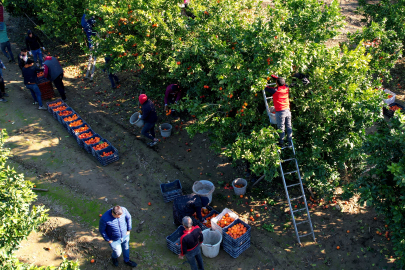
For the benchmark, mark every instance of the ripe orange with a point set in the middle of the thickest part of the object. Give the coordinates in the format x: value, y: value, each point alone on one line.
x: 257, y: 215
x: 100, y: 215
x: 241, y: 196
x: 251, y: 210
x: 149, y: 203
x: 337, y: 247
x: 92, y: 261
x: 347, y: 231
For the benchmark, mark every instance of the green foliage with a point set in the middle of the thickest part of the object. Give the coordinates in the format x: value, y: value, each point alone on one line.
x: 391, y: 15
x: 14, y: 264
x: 383, y: 184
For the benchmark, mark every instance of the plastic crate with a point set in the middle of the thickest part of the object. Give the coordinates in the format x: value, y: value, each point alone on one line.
x: 202, y: 225
x: 72, y: 130
x: 66, y: 123
x: 171, y: 191
x: 92, y: 151
x: 214, y: 221
x: 87, y: 147
x: 55, y: 113
x: 390, y: 113
x: 104, y: 161
x: 236, y: 252
x: 60, y: 117
x: 80, y: 141
x: 173, y: 240
x: 46, y: 89
x: 234, y: 243
x: 55, y: 101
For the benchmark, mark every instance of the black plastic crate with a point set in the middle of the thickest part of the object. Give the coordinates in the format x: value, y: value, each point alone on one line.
x: 60, y: 118
x: 236, y: 252
x: 80, y: 141
x: 66, y: 123
x: 202, y: 225
x: 70, y: 129
x: 89, y: 147
x: 390, y: 113
x: 171, y: 191
x: 173, y: 240
x: 55, y: 113
x: 55, y: 101
x: 104, y: 161
x: 235, y: 243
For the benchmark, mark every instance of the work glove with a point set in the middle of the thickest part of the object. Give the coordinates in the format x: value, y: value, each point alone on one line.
x: 139, y: 116
x: 43, y: 48
x: 30, y: 53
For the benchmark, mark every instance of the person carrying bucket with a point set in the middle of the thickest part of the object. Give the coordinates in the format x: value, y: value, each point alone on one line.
x: 187, y: 205
x: 149, y: 116
x: 190, y: 243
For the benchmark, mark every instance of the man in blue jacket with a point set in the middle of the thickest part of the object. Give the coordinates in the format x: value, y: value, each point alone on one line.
x: 149, y: 116
x: 115, y: 226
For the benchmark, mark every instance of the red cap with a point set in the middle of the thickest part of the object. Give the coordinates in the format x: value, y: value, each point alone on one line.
x: 143, y: 98
x: 274, y: 76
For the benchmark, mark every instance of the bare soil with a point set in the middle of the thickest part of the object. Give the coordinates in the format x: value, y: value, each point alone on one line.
x: 80, y: 189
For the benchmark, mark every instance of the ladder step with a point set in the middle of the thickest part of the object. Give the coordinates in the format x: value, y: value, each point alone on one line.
x: 305, y: 221
x: 291, y: 172
x: 287, y: 159
x: 288, y: 146
x: 268, y: 97
x: 299, y: 210
x: 297, y: 198
x: 305, y: 235
x: 293, y: 185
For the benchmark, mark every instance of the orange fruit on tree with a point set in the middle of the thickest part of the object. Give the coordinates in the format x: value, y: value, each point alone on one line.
x: 92, y: 261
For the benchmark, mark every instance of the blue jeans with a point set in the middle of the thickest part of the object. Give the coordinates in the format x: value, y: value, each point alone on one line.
x: 118, y: 246
x: 4, y: 46
x: 148, y: 130
x: 284, y: 122
x: 37, y: 54
x: 113, y: 77
x: 35, y: 92
x: 194, y: 257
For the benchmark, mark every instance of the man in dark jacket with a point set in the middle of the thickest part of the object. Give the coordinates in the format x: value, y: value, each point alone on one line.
x: 149, y: 116
x: 115, y: 226
x: 111, y: 75
x: 22, y: 58
x: 187, y: 205
x: 30, y: 80
x: 54, y: 72
x: 34, y: 45
x: 190, y: 243
x: 281, y: 102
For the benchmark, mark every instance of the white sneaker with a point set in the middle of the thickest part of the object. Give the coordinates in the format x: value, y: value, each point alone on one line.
x: 42, y: 108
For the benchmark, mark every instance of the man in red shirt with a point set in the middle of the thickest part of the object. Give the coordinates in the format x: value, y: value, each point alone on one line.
x: 281, y: 102
x: 190, y: 243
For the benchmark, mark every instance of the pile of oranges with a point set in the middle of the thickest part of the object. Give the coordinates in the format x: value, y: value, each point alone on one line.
x: 70, y: 118
x: 61, y: 108
x: 208, y: 219
x: 239, y: 186
x: 104, y: 154
x: 76, y: 123
x: 226, y: 220
x: 100, y: 146
x: 86, y: 135
x: 55, y: 104
x: 93, y: 140
x: 395, y: 107
x: 65, y: 113
x: 389, y: 96
x: 82, y: 129
x: 236, y: 231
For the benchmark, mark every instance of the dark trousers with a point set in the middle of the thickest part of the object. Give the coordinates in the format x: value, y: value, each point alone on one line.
x: 58, y: 82
x: 2, y: 87
x: 148, y: 130
x: 113, y: 77
x: 4, y: 46
x: 194, y: 257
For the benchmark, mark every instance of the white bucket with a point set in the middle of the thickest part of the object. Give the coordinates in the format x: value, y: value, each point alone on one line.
x: 239, y: 181
x: 211, y: 244
x: 272, y: 115
x: 167, y: 132
x: 204, y: 188
x: 390, y: 100
x: 135, y: 120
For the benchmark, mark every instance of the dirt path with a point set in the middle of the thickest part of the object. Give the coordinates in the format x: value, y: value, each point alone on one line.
x: 80, y: 189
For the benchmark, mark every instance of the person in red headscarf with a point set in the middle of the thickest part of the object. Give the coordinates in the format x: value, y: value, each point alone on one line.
x: 149, y: 116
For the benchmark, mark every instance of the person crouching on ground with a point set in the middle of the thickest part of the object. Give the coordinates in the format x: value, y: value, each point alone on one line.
x: 172, y: 96
x: 190, y: 244
x: 30, y: 80
x: 149, y: 116
x: 187, y: 205
x: 281, y: 102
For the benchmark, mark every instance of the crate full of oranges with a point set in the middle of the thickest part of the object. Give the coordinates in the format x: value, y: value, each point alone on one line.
x: 236, y: 235
x: 223, y: 220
